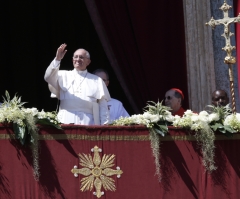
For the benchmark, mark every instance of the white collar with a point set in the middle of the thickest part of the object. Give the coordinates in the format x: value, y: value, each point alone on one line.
x: 80, y: 72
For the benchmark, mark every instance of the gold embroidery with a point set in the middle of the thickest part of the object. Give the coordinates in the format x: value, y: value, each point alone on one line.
x: 97, y: 171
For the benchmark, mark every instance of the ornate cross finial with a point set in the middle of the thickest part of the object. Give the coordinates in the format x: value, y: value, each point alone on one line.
x: 228, y: 48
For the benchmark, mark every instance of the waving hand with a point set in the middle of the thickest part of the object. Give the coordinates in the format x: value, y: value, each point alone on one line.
x: 61, y: 52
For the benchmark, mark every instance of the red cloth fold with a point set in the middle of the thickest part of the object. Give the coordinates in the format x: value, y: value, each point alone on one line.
x: 183, y: 175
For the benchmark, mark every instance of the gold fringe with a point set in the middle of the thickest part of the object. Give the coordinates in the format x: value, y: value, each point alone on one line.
x: 118, y: 137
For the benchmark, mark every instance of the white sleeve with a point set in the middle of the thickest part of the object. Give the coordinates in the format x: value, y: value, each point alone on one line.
x: 103, y: 111
x: 51, y: 74
x: 55, y: 63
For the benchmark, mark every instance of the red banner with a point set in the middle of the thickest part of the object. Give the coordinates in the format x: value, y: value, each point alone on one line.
x: 183, y: 175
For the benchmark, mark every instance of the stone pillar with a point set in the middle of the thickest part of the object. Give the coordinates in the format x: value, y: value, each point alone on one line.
x: 199, y: 53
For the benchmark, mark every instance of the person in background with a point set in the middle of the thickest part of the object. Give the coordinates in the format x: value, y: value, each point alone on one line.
x: 173, y: 99
x: 115, y: 107
x: 220, y: 98
x: 83, y: 96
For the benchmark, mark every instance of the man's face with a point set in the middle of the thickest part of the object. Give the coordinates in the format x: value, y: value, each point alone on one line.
x: 219, y: 98
x: 171, y: 101
x: 103, y: 76
x: 80, y: 60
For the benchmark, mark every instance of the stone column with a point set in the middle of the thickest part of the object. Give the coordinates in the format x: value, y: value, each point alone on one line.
x: 199, y: 53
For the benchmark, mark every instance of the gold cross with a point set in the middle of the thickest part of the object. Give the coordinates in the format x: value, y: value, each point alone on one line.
x: 228, y: 48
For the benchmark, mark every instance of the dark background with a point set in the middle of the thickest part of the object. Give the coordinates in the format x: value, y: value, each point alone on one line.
x: 147, y: 38
x: 31, y: 32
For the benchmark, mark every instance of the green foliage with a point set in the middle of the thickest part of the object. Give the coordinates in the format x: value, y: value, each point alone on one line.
x: 24, y: 123
x: 223, y: 112
x: 20, y: 133
x: 156, y: 108
x: 12, y: 103
x: 47, y: 122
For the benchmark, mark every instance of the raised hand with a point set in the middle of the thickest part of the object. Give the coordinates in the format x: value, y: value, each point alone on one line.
x: 61, y: 52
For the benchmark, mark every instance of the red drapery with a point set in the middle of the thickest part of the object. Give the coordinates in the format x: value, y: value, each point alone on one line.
x: 183, y: 175
x: 145, y: 43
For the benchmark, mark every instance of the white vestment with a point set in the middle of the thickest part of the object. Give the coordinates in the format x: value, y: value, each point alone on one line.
x: 83, y: 96
x: 116, y: 109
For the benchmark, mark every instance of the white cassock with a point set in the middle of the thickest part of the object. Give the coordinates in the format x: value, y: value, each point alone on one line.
x: 116, y: 109
x: 83, y: 96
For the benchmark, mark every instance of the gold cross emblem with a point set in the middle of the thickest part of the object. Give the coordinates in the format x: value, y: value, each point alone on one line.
x: 97, y: 171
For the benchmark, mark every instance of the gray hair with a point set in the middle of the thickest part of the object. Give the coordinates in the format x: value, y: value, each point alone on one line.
x: 87, y: 53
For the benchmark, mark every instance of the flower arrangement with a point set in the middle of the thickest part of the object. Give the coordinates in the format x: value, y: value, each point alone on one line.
x: 155, y: 116
x: 158, y: 117
x: 225, y: 121
x: 199, y: 124
x: 25, y: 122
